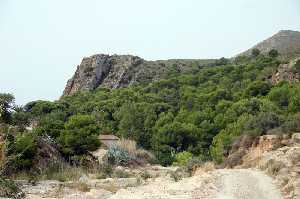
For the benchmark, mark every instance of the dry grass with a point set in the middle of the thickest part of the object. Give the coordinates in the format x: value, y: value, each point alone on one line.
x: 273, y: 167
x: 83, y: 187
x: 111, y: 188
x: 140, y: 155
x: 206, y: 167
x: 2, y: 154
x: 62, y: 172
x: 129, y: 145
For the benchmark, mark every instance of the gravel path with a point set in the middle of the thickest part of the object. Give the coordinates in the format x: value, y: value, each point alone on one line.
x: 216, y: 184
x: 219, y: 184
x: 246, y: 184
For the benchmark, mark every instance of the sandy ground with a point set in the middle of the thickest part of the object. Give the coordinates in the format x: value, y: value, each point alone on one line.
x: 219, y: 184
x: 216, y: 184
x: 246, y: 184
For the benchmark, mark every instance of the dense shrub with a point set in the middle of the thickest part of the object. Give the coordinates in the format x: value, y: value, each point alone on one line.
x: 194, y: 163
x: 181, y: 159
x: 202, y: 112
x: 258, y: 88
x: 8, y: 189
x: 262, y: 123
x: 80, y: 135
x: 273, y: 53
x: 255, y: 52
x: 297, y: 65
x: 21, y: 151
x: 6, y: 105
x: 292, y: 124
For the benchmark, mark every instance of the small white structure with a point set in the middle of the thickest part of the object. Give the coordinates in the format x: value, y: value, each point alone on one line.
x: 108, y: 140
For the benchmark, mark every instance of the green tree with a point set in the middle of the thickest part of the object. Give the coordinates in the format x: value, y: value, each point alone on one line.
x: 273, y: 53
x: 263, y: 122
x: 52, y: 124
x: 222, y: 61
x: 280, y: 95
x: 20, y: 117
x: 80, y: 135
x: 6, y: 105
x: 182, y: 158
x: 258, y: 88
x: 21, y: 151
x: 255, y: 52
x: 297, y: 65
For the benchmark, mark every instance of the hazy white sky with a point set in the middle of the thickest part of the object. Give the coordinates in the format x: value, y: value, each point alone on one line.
x: 42, y: 41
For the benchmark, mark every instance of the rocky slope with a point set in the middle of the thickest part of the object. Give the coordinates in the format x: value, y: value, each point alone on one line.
x: 115, y: 71
x: 286, y: 42
x: 286, y: 72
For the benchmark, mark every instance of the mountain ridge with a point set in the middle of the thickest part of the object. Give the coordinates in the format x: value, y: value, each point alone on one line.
x: 115, y: 71
x: 286, y: 42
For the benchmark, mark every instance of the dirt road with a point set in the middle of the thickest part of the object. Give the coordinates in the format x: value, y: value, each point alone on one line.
x: 218, y: 184
x: 246, y: 184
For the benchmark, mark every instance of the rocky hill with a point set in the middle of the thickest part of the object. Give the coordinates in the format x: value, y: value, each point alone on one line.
x: 115, y: 71
x: 286, y: 42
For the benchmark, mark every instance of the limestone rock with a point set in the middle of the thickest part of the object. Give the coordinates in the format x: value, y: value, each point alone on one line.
x: 115, y: 71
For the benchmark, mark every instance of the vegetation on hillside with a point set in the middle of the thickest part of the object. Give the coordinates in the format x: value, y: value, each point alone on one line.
x: 200, y: 113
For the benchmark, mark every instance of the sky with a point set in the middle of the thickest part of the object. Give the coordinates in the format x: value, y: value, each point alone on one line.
x: 42, y: 41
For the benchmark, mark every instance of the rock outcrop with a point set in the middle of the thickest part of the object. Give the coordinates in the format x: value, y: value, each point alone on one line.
x: 286, y: 72
x: 115, y: 71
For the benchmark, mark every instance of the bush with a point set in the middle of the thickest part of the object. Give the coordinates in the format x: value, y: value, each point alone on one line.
x: 106, y: 170
x: 292, y: 124
x: 194, y: 163
x: 258, y: 88
x: 255, y: 52
x: 6, y: 104
x: 297, y: 65
x: 21, y: 151
x: 273, y: 167
x: 262, y: 123
x: 121, y: 174
x: 80, y: 135
x: 145, y: 175
x: 9, y: 189
x: 182, y: 159
x: 62, y: 172
x: 126, y: 152
x: 88, y: 69
x: 175, y: 176
x: 273, y: 53
x: 222, y: 61
x: 118, y: 155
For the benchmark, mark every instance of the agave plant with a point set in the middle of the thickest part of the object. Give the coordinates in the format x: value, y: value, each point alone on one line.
x: 118, y: 155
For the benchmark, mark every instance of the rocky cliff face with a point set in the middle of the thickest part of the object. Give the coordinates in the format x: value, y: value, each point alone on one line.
x: 109, y: 71
x: 115, y: 71
x: 286, y: 42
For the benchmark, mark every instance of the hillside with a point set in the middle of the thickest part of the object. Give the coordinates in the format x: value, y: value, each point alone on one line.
x: 172, y: 113
x: 115, y: 71
x: 286, y: 42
